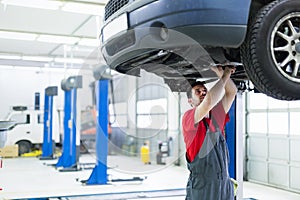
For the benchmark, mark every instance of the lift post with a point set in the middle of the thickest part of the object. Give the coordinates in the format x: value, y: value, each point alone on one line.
x: 48, y: 144
x: 234, y: 138
x: 69, y: 157
x: 99, y: 174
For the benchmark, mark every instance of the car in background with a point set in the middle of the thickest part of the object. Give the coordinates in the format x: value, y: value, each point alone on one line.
x: 28, y: 129
x: 179, y: 40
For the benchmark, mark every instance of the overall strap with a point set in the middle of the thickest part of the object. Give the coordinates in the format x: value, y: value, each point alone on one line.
x: 213, y: 120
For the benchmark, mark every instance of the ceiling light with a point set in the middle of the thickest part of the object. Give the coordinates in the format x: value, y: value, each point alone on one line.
x: 89, y: 9
x: 37, y: 58
x: 89, y: 42
x: 43, y: 4
x: 18, y: 36
x: 69, y: 60
x: 58, y: 39
x: 10, y: 57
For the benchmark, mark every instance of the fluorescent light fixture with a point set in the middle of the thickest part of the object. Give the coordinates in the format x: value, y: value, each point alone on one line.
x: 43, y: 4
x: 10, y: 57
x: 18, y: 36
x: 58, y: 39
x: 89, y: 9
x: 69, y: 60
x: 89, y: 42
x: 37, y: 58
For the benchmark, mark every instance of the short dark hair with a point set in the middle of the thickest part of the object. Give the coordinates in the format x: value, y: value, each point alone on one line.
x: 193, y: 84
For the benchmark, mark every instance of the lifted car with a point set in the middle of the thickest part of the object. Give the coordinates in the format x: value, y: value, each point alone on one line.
x: 180, y: 39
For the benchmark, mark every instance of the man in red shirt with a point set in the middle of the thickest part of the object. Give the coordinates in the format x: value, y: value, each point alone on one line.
x: 203, y: 131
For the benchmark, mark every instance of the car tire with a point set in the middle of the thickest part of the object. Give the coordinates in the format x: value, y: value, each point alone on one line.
x: 261, y: 55
x: 24, y: 147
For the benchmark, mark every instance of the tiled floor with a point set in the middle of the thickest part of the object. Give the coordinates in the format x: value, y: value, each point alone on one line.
x: 22, y: 178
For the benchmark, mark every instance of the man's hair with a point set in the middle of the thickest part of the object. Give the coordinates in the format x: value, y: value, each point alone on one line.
x: 193, y: 84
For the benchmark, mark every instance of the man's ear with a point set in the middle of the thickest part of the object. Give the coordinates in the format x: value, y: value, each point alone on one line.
x: 190, y: 101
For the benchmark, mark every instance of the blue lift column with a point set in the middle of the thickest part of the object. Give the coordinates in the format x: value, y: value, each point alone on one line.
x: 69, y: 157
x: 234, y: 137
x: 99, y: 173
x: 48, y: 143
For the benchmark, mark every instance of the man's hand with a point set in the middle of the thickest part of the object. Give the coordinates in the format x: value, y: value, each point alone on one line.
x: 221, y: 69
x: 227, y: 73
x: 218, y: 70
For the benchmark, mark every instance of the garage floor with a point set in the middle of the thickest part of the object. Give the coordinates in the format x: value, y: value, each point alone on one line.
x: 22, y: 178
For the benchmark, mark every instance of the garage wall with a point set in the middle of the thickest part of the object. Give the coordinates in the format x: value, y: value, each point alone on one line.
x: 19, y: 84
x: 273, y: 141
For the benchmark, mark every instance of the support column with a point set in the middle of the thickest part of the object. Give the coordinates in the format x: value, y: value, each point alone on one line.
x: 234, y: 138
x: 69, y: 157
x: 48, y: 143
x: 99, y: 174
x: 63, y: 159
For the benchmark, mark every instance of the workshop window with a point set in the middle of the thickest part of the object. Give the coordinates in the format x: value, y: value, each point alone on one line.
x: 278, y: 123
x: 257, y: 123
x: 21, y: 118
x: 257, y: 101
x: 152, y: 114
x: 118, y: 115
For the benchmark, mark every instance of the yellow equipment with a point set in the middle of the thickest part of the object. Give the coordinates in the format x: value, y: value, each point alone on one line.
x: 145, y: 154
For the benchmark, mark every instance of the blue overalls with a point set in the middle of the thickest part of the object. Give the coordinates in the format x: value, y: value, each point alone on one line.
x: 209, y: 178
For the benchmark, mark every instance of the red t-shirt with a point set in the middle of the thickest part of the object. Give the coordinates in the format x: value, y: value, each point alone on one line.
x: 194, y: 134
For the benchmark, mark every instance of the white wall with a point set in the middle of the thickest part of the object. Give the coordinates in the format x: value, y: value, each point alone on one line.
x: 19, y: 84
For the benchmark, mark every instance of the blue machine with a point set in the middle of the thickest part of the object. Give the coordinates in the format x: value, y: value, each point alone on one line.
x: 234, y: 138
x: 70, y: 152
x: 99, y: 174
x: 48, y: 143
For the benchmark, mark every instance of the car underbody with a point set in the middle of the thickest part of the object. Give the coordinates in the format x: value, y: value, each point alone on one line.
x: 268, y: 55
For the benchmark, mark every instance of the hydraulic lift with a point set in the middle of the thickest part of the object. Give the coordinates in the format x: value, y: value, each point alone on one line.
x: 99, y: 173
x: 234, y: 138
x: 70, y: 151
x: 48, y: 146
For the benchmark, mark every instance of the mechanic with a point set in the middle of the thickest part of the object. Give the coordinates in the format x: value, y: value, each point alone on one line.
x: 203, y: 130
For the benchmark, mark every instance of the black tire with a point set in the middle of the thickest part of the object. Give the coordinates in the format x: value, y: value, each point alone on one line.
x: 260, y: 53
x: 24, y: 147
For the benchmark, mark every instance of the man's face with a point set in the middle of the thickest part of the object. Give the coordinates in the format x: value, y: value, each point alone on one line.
x: 198, y: 94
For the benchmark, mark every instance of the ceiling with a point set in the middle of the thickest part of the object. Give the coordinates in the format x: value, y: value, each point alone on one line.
x: 49, y: 33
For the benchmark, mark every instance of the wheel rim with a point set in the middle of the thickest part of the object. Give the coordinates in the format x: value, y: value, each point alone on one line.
x: 285, y: 46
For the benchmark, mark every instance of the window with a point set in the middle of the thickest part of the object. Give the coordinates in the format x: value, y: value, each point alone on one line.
x: 152, y: 114
x: 21, y: 118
